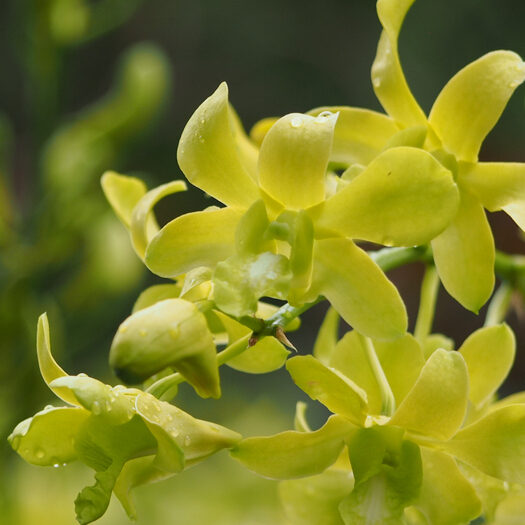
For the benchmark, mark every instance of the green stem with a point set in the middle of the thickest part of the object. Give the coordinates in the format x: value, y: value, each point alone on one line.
x: 388, y: 403
x: 390, y: 258
x: 161, y: 387
x: 427, y: 303
x: 499, y: 305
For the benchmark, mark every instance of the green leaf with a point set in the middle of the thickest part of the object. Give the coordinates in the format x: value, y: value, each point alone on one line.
x: 489, y: 354
x: 293, y: 159
x: 211, y: 155
x: 49, y: 368
x: 315, y: 500
x: 156, y: 293
x: 446, y: 496
x: 327, y: 337
x: 498, y: 186
x: 294, y: 454
x: 388, y: 80
x: 357, y: 288
x: 359, y: 134
x: 173, y: 333
x: 201, y: 238
x: 494, y: 444
x: 464, y: 255
x: 240, y: 281
x: 404, y: 197
x: 47, y: 438
x: 435, y: 406
x: 123, y: 193
x: 141, y: 225
x: 338, y: 393
x: 471, y: 103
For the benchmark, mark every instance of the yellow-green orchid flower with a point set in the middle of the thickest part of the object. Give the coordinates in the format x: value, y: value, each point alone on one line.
x: 281, y: 233
x: 127, y: 436
x: 420, y: 453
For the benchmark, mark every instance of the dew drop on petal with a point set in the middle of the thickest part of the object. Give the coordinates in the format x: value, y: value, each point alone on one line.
x: 296, y: 122
x: 187, y: 441
x: 96, y: 408
x: 142, y: 332
x: 39, y: 453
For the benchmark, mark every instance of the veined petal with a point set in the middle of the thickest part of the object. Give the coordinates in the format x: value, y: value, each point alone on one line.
x: 464, y: 255
x: 141, y: 225
x: 359, y: 134
x: 404, y: 197
x: 388, y: 79
x: 436, y: 404
x: 293, y: 159
x: 334, y: 390
x: 498, y: 186
x: 122, y: 193
x: 200, y: 238
x: 471, y: 103
x: 357, y: 289
x: 49, y: 368
x: 489, y: 354
x: 446, y: 496
x: 210, y: 154
x: 494, y: 444
x: 293, y: 454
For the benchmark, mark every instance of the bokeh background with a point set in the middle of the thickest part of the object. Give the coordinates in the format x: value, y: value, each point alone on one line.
x: 109, y: 84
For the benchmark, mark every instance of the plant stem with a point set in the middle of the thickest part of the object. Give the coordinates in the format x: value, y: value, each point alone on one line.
x: 427, y: 303
x: 388, y: 403
x: 499, y: 305
x: 390, y: 258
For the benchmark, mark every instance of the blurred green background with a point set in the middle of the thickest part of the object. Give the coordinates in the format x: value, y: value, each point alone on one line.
x: 109, y: 84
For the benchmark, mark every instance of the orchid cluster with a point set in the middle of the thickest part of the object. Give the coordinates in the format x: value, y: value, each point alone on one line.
x: 417, y: 435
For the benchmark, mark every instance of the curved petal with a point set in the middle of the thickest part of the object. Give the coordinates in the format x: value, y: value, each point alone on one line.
x: 494, y: 444
x: 261, y: 128
x: 437, y: 403
x: 47, y: 438
x: 359, y: 134
x: 498, y: 186
x: 293, y: 159
x: 489, y: 354
x: 122, y: 193
x: 142, y: 228
x: 294, y: 454
x: 201, y: 238
x: 388, y: 79
x: 446, y: 496
x: 247, y: 149
x: 209, y: 153
x: 471, y: 103
x: 327, y: 336
x: 464, y: 255
x: 404, y: 197
x: 328, y: 386
x: 49, y: 368
x: 357, y: 289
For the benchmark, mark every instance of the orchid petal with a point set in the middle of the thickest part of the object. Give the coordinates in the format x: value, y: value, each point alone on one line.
x: 473, y: 100
x: 404, y: 197
x: 464, y: 255
x: 210, y: 156
x: 201, y: 238
x: 293, y: 159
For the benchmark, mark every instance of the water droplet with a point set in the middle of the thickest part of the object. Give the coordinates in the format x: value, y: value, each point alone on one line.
x: 64, y: 464
x: 49, y: 407
x: 39, y: 453
x: 296, y: 122
x: 325, y: 115
x: 56, y: 465
x: 187, y: 441
x: 514, y: 84
x: 201, y: 139
x: 203, y: 121
x: 174, y: 434
x: 142, y: 332
x: 108, y: 406
x: 157, y: 408
x: 82, y: 374
x: 376, y: 82
x: 174, y: 332
x: 96, y: 408
x: 122, y: 329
